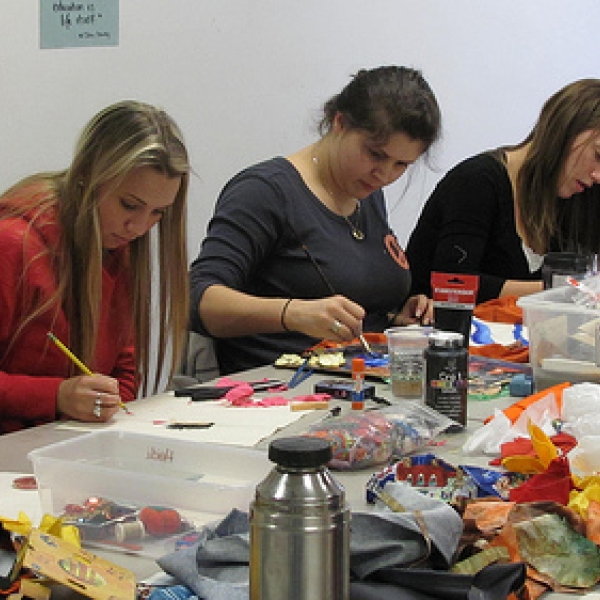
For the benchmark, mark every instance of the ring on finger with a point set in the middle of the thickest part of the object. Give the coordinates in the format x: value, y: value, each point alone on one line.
x: 98, y: 401
x: 97, y: 411
x: 337, y: 325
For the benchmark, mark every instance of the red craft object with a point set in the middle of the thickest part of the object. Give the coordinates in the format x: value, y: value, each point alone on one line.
x: 423, y: 474
x: 554, y: 485
x: 159, y: 520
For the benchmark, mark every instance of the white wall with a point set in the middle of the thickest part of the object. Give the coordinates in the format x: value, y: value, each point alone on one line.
x: 246, y: 79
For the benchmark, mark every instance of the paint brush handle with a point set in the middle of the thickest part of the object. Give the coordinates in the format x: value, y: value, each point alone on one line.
x: 365, y: 344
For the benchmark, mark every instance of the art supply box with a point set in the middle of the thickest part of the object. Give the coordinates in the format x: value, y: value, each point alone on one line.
x: 563, y: 337
x: 147, y: 470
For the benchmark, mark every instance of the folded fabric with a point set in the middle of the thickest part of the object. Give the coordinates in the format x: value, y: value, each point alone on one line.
x: 548, y: 536
x: 553, y: 485
x: 555, y: 550
x: 217, y: 566
x: 516, y: 353
x: 513, y: 412
x: 544, y: 452
x: 500, y: 310
x: 384, y: 538
x: 592, y: 522
x: 372, y: 337
x: 524, y: 447
x: 494, y: 582
x: 175, y: 592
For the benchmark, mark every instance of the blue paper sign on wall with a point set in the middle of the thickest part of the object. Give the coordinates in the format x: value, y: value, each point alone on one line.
x: 66, y: 24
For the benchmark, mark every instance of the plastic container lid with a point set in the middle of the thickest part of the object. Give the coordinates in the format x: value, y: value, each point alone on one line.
x: 300, y: 452
x: 358, y: 365
x: 567, y: 261
x: 446, y: 339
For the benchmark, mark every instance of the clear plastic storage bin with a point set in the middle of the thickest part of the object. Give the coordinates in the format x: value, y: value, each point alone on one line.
x: 563, y: 337
x: 148, y: 470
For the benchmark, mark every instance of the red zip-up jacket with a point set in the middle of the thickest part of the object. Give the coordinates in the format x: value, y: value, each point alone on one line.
x: 32, y: 369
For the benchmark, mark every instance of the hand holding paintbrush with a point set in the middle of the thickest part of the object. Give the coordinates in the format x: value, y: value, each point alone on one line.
x: 103, y: 408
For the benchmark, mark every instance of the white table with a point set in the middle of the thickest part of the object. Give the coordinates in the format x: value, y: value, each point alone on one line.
x: 15, y: 446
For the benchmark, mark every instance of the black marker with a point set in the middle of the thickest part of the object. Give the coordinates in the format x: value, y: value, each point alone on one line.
x: 189, y: 425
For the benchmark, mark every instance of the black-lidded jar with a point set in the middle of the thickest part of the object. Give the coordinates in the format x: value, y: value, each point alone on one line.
x: 557, y: 265
x: 446, y: 375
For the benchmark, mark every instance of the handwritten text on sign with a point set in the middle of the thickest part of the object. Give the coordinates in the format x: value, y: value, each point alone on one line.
x: 77, y: 24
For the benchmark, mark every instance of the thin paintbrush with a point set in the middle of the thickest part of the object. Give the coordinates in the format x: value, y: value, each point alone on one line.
x: 366, y: 345
x: 327, y: 284
x: 81, y: 365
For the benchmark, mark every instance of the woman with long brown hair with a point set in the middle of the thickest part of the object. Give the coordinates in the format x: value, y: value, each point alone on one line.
x: 498, y: 213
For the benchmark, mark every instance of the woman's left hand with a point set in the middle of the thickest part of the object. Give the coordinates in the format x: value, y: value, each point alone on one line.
x: 416, y: 310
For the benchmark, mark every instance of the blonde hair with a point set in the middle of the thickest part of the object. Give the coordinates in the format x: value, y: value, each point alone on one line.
x: 119, y: 139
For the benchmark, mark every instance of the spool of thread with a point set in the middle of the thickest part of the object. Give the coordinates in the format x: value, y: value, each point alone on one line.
x: 129, y: 531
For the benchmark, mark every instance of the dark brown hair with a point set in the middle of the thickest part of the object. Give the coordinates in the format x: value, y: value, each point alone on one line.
x: 572, y: 223
x: 387, y: 100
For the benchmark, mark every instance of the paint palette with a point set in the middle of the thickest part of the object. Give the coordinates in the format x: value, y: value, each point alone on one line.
x: 377, y: 366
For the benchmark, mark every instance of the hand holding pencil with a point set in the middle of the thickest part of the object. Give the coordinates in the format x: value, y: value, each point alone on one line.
x: 91, y: 397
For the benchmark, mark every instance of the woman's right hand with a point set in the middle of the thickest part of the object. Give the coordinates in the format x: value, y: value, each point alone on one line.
x: 91, y: 398
x: 334, y: 318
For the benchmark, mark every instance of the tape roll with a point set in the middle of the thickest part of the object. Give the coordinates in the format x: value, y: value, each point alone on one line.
x: 131, y: 531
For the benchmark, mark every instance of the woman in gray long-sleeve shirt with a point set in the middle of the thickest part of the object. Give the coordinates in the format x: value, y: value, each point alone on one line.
x: 299, y: 248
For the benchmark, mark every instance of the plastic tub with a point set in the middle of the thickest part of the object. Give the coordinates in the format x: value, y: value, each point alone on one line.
x: 563, y: 337
x: 147, y: 470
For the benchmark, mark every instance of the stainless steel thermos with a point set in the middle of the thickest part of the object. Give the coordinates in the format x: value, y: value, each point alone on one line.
x: 299, y: 526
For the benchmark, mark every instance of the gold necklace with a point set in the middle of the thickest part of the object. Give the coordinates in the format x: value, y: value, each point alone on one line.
x: 355, y: 231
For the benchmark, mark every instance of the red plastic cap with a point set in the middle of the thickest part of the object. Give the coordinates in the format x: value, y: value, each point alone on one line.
x: 358, y: 365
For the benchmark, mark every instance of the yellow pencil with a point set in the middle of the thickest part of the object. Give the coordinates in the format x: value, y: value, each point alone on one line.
x: 76, y: 361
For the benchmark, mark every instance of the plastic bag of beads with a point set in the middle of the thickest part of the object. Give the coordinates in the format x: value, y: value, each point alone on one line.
x: 415, y: 425
x: 361, y: 439
x: 358, y: 439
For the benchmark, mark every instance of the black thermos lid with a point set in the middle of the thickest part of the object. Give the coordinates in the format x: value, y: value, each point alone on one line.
x: 300, y: 452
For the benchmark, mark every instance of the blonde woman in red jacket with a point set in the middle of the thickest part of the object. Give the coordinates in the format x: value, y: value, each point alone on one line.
x: 75, y: 260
